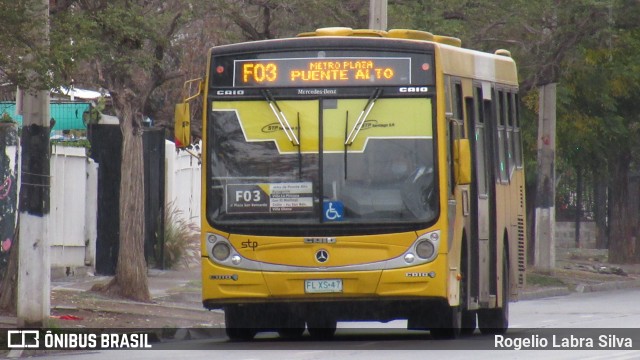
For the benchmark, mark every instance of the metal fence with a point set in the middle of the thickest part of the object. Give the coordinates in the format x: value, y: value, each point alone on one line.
x: 67, y: 115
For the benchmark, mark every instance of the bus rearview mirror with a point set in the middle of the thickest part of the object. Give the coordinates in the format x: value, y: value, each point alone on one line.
x: 182, y: 117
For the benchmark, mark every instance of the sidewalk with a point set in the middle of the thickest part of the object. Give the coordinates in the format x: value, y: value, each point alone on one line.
x: 583, y: 271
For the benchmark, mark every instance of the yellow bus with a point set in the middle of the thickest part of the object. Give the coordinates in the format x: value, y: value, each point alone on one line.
x: 360, y: 175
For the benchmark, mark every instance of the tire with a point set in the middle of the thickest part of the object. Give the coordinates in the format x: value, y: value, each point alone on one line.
x: 450, y: 324
x: 321, y: 328
x: 496, y: 321
x: 468, y: 322
x: 293, y: 329
x: 237, y: 325
x: 457, y: 321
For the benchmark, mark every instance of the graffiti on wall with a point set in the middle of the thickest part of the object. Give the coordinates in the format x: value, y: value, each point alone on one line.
x: 8, y: 192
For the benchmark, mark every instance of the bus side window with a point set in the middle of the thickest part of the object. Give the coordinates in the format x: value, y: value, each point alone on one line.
x: 508, y: 113
x: 517, y: 136
x: 456, y: 127
x: 501, y: 168
x: 457, y: 101
x: 479, y: 137
x: 487, y: 110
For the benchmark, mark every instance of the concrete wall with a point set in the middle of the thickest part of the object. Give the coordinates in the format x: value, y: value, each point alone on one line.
x: 565, y: 234
x: 73, y: 217
x: 182, y: 182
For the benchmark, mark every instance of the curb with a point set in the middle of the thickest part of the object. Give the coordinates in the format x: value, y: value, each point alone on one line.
x: 580, y: 288
x: 10, y: 321
x: 544, y: 293
x: 608, y: 286
x: 134, y: 307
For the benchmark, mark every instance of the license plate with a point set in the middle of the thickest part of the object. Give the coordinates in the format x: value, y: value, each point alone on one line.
x: 323, y: 286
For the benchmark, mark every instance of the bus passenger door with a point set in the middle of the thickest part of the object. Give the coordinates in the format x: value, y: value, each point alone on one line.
x: 480, y: 193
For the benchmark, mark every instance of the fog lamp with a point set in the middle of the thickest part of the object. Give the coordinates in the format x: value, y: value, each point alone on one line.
x: 409, y: 258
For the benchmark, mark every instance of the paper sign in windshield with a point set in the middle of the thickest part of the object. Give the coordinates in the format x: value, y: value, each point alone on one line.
x: 270, y: 198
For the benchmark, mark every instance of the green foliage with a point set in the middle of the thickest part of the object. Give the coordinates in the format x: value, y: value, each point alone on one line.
x: 258, y: 20
x: 123, y: 32
x: 93, y: 115
x: 543, y: 280
x: 73, y: 143
x: 39, y: 52
x: 539, y: 34
x: 599, y: 112
x: 24, y: 51
x: 181, y: 240
x: 6, y: 118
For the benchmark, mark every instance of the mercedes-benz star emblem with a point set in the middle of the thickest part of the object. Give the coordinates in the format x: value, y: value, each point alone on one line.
x: 322, y: 255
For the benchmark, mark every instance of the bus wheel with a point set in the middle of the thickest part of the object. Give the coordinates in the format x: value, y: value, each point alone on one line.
x: 468, y: 323
x: 321, y: 328
x: 468, y: 320
x: 496, y: 321
x: 450, y: 324
x: 293, y: 329
x: 237, y: 325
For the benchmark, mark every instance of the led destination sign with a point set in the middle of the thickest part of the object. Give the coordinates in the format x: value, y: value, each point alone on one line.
x: 323, y: 71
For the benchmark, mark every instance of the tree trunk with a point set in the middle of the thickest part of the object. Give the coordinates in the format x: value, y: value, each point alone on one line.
x: 622, y: 247
x: 130, y: 280
x: 578, y: 214
x: 545, y: 213
x: 600, y: 209
x: 634, y: 212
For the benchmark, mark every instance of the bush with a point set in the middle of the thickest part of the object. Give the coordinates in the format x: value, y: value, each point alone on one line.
x: 181, y: 240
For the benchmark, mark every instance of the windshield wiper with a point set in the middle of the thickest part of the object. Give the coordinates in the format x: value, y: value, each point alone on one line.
x: 363, y: 116
x: 299, y: 150
x: 288, y: 130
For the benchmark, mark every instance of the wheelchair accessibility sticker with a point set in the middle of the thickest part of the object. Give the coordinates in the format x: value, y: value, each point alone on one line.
x: 333, y: 210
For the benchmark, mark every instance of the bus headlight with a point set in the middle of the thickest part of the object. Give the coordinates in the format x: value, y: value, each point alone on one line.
x: 427, y: 245
x: 425, y: 249
x: 221, y: 251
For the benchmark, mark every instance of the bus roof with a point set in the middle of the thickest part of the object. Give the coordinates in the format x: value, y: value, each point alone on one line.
x: 454, y: 59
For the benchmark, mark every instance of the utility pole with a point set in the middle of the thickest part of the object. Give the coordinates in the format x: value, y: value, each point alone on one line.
x: 378, y: 14
x: 545, y: 244
x: 34, y: 269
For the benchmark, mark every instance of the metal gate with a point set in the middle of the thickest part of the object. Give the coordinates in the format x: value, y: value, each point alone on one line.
x: 106, y: 150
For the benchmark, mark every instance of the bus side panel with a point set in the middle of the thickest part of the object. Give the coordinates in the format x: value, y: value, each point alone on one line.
x: 219, y: 283
x: 518, y: 241
x: 428, y: 280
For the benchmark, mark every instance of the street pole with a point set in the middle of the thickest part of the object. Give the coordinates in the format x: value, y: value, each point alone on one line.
x: 545, y: 244
x: 378, y: 14
x: 34, y: 269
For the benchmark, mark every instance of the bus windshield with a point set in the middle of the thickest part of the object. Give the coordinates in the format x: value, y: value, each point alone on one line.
x: 258, y: 176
